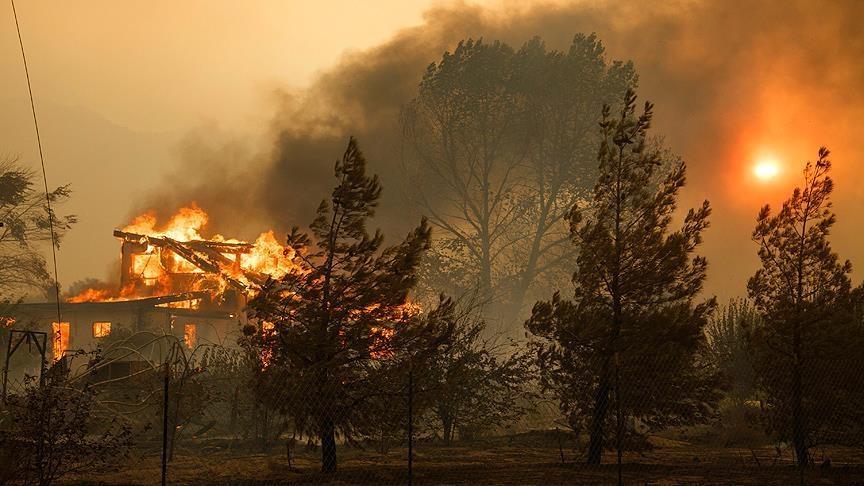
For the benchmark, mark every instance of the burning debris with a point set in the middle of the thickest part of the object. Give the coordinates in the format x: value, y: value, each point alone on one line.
x: 176, y: 258
x: 174, y: 281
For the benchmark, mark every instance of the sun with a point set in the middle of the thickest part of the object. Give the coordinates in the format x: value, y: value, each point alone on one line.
x: 766, y: 168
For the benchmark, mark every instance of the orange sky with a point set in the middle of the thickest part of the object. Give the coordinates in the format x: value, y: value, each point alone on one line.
x: 118, y: 84
x: 129, y: 90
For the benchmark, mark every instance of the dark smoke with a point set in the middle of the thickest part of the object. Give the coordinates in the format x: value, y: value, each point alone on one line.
x: 725, y: 75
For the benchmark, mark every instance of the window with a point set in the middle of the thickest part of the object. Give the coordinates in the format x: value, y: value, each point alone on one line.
x: 101, y: 329
x: 190, y: 335
x: 60, y: 339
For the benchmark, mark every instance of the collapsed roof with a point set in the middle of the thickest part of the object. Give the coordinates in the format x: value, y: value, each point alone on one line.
x: 206, y: 255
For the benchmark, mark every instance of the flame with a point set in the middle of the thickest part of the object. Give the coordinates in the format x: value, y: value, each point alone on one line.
x: 159, y: 270
x: 185, y: 225
x: 103, y: 295
x: 269, y: 257
x: 92, y: 295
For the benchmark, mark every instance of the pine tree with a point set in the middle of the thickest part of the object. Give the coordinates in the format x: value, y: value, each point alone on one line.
x: 342, y: 310
x: 810, y: 333
x: 633, y: 321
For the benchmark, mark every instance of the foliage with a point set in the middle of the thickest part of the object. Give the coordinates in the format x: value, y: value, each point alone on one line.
x: 498, y: 141
x: 25, y: 217
x: 257, y: 390
x: 729, y: 349
x: 473, y: 383
x: 341, y: 314
x: 811, y: 340
x: 54, y: 430
x: 633, y: 323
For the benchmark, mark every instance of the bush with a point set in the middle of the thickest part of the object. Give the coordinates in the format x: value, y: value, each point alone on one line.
x: 50, y: 429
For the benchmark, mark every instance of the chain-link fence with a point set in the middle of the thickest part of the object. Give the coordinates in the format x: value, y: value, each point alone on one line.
x: 213, y: 414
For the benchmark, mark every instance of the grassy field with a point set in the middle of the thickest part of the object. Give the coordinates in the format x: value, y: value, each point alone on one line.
x: 509, y: 460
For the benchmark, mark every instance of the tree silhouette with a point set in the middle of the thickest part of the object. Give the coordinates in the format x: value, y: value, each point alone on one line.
x: 499, y: 143
x: 729, y: 347
x: 472, y: 382
x: 810, y: 328
x: 24, y: 214
x: 633, y: 325
x: 340, y: 312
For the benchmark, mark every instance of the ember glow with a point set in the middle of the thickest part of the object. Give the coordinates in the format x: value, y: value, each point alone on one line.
x: 178, y: 257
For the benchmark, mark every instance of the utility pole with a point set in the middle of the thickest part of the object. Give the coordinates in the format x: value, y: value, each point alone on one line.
x: 31, y: 337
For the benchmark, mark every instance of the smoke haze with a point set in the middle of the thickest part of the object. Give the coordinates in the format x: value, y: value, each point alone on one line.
x: 731, y: 80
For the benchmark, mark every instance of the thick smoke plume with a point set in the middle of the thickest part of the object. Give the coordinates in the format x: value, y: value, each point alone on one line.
x: 729, y: 79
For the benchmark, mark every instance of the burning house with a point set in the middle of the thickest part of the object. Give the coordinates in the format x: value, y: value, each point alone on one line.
x: 172, y: 282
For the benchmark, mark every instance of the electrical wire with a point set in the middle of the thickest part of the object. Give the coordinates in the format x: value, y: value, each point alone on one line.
x: 42, y: 160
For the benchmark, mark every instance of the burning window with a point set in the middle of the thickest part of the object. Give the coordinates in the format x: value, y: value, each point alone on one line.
x: 60, y: 341
x: 190, y: 335
x: 101, y: 329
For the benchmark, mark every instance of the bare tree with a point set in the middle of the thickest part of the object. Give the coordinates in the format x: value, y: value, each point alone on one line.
x: 499, y: 143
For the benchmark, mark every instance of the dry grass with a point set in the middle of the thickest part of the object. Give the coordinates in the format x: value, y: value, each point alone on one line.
x: 520, y: 460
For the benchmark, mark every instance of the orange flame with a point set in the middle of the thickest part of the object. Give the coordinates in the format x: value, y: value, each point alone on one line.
x: 156, y: 268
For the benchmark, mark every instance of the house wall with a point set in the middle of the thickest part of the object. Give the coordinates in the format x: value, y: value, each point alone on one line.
x: 125, y: 321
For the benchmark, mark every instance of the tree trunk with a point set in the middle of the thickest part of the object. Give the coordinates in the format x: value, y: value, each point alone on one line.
x: 328, y: 446
x: 601, y: 406
x: 529, y: 271
x: 799, y: 434
x: 448, y: 430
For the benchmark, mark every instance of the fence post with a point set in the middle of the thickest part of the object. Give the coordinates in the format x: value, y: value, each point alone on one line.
x: 6, y: 367
x: 618, y: 418
x: 560, y: 446
x: 165, y: 425
x: 410, y: 423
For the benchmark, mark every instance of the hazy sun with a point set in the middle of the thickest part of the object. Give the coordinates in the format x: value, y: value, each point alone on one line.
x: 766, y: 168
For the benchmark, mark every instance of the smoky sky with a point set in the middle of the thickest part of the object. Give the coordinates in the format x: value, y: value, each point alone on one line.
x: 729, y: 80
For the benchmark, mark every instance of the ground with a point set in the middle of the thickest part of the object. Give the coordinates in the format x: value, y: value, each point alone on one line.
x: 509, y: 460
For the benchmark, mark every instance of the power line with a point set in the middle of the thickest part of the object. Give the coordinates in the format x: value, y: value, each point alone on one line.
x: 42, y: 160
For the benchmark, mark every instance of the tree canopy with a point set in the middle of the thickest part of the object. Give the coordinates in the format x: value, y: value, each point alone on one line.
x: 634, y: 325
x: 26, y: 229
x: 499, y: 145
x: 812, y: 333
x: 341, y: 314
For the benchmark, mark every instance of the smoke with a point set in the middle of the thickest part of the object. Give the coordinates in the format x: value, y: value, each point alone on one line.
x: 729, y: 79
